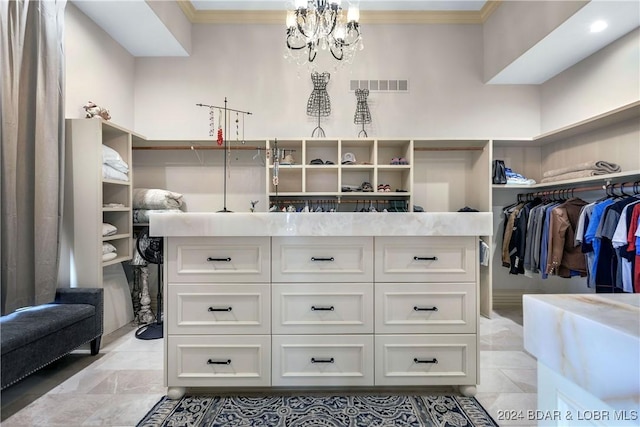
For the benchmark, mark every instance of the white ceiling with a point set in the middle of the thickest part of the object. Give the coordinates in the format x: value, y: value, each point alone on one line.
x: 568, y: 44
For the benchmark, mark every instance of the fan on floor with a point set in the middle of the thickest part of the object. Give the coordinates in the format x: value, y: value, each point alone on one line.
x: 150, y: 249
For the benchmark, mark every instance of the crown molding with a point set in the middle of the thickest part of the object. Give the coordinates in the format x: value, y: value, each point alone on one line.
x: 366, y: 17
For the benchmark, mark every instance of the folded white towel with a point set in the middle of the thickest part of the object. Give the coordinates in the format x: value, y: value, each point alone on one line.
x: 153, y: 198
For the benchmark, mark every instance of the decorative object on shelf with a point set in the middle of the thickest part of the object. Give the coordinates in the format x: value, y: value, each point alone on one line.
x: 94, y: 110
x: 151, y: 250
x: 319, y: 104
x: 322, y: 23
x: 222, y: 141
x: 253, y: 205
x: 362, y: 115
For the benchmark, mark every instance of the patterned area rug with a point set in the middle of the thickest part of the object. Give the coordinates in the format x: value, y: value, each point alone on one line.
x: 318, y: 411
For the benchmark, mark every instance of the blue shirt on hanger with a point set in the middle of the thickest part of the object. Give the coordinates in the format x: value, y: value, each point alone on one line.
x: 591, y: 232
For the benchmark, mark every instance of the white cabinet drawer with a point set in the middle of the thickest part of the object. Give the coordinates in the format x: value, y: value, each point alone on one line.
x: 219, y: 259
x: 219, y: 309
x: 418, y: 308
x: 425, y: 360
x: 322, y: 259
x: 426, y: 259
x: 322, y: 360
x: 218, y: 361
x: 328, y: 308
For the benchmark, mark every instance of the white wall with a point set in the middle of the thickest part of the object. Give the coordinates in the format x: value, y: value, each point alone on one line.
x: 516, y: 26
x: 97, y: 69
x: 444, y: 65
x: 606, y: 80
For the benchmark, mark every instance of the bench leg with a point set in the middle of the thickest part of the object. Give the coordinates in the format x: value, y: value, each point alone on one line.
x: 95, y: 346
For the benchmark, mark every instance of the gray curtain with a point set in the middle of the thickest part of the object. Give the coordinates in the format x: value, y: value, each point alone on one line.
x: 32, y: 152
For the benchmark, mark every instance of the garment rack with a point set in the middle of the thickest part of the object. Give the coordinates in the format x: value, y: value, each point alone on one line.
x: 569, y: 192
x: 196, y: 147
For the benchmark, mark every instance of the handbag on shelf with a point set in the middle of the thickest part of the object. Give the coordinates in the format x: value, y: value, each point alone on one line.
x: 499, y: 175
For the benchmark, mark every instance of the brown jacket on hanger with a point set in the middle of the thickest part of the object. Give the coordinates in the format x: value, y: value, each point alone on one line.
x: 563, y: 254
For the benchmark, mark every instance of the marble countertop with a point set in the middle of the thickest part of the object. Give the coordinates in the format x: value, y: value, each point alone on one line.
x: 593, y: 340
x: 321, y: 224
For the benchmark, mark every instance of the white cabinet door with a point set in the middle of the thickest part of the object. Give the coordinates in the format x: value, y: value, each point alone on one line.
x: 219, y: 259
x: 322, y: 259
x: 327, y: 308
x: 219, y: 309
x: 426, y: 259
x: 322, y: 360
x: 426, y: 359
x: 417, y: 308
x: 218, y: 361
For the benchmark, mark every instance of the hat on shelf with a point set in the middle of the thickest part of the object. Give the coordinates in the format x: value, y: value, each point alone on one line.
x: 288, y: 160
x: 348, y: 159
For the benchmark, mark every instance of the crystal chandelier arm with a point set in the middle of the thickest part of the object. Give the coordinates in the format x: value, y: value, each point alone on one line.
x: 336, y: 50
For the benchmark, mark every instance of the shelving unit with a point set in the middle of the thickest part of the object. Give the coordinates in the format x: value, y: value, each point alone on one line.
x: 87, y: 196
x: 339, y: 182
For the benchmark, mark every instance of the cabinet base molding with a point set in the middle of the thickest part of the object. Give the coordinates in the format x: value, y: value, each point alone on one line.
x: 510, y: 297
x: 175, y: 393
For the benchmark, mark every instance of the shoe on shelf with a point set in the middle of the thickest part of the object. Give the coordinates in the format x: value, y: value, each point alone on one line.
x: 387, y: 188
x: 402, y: 161
x: 366, y: 187
x: 380, y: 188
x: 395, y: 161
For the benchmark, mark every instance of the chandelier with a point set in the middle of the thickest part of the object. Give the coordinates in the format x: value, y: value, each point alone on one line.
x: 321, y: 24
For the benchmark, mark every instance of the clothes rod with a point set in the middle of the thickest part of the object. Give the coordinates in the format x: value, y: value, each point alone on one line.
x: 448, y: 149
x: 623, y: 186
x: 196, y: 147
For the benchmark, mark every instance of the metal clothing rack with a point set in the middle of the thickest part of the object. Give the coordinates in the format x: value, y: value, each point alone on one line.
x: 565, y: 193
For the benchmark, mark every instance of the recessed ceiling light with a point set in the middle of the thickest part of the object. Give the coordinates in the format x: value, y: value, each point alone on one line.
x: 598, y: 26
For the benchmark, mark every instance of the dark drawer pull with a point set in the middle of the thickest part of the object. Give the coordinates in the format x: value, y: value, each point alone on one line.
x: 220, y: 308
x: 219, y: 362
x: 322, y: 259
x: 416, y: 308
x: 319, y: 308
x: 314, y: 360
x: 434, y: 360
x: 425, y: 258
x: 219, y: 259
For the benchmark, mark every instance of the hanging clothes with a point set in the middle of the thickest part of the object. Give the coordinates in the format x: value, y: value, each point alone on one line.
x: 565, y: 259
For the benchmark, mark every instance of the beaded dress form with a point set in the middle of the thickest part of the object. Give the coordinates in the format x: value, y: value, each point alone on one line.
x: 319, y: 104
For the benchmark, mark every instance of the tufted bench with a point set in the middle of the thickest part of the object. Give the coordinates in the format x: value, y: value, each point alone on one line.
x: 33, y: 337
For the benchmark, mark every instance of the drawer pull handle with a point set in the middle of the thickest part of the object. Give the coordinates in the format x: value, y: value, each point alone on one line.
x: 425, y: 258
x: 314, y: 360
x: 416, y: 308
x: 434, y: 360
x: 219, y: 362
x: 219, y: 259
x: 318, y: 308
x: 220, y: 308
x: 322, y: 259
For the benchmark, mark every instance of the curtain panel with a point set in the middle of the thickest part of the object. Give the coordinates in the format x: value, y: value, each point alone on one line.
x: 32, y: 151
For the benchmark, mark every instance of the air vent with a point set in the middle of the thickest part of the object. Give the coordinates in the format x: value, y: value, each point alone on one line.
x: 380, y: 85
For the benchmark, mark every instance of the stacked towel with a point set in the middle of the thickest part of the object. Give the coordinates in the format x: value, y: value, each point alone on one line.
x: 581, y: 170
x: 153, y: 198
x: 113, y: 166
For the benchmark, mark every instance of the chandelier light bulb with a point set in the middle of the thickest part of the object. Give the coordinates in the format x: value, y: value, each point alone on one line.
x: 291, y: 19
x: 353, y: 15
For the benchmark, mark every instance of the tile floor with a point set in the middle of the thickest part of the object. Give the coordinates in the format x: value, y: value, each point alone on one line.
x: 119, y: 386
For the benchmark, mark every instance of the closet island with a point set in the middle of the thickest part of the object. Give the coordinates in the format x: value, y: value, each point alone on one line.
x: 259, y: 300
